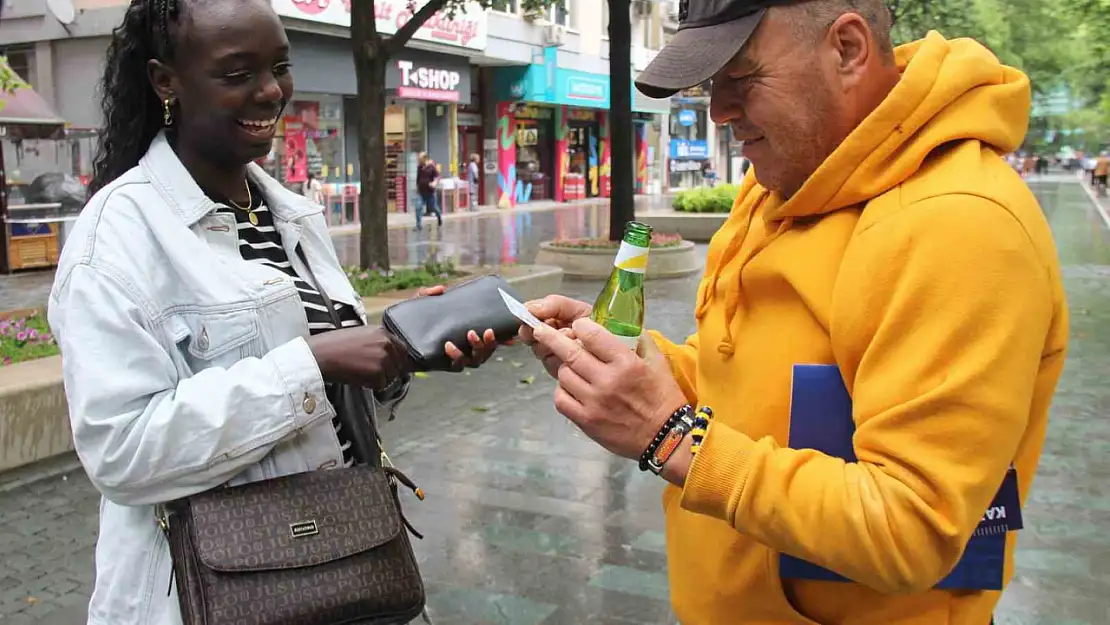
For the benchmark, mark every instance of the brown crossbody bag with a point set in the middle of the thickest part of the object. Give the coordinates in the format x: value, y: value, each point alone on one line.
x: 325, y: 547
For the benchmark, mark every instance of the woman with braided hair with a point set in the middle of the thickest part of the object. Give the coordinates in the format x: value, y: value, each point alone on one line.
x: 192, y: 300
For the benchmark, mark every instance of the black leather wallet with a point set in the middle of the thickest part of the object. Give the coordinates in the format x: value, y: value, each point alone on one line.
x: 424, y: 324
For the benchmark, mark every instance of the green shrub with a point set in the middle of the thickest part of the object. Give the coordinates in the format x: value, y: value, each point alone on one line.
x: 717, y: 199
x: 370, y: 282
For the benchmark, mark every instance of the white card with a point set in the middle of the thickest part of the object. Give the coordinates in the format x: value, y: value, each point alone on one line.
x: 519, y: 311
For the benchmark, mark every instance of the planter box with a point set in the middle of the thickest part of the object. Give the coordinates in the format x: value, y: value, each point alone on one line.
x: 596, y: 264
x: 34, y: 416
x: 698, y: 227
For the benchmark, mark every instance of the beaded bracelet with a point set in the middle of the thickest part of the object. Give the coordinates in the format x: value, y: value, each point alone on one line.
x: 667, y: 440
x: 701, y: 426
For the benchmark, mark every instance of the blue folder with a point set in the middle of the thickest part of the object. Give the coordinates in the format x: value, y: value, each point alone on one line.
x: 821, y: 419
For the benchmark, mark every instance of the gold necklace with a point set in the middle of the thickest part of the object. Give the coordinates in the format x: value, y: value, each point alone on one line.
x: 249, y: 208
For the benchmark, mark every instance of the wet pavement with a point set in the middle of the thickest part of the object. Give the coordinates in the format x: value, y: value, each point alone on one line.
x: 488, y: 238
x: 528, y: 523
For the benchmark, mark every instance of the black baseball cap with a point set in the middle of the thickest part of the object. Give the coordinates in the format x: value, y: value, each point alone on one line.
x: 710, y: 33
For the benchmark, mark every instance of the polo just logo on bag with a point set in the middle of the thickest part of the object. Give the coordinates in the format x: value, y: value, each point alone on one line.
x: 304, y: 528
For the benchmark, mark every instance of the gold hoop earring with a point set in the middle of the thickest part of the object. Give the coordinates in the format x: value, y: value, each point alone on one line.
x: 167, y: 116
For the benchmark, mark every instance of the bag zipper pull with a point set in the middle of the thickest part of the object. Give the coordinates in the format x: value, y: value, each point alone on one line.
x: 164, y: 524
x: 396, y: 474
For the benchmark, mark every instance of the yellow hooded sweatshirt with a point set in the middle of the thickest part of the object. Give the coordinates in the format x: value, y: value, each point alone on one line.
x: 920, y: 264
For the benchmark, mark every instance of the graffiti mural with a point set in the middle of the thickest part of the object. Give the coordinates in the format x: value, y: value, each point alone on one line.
x: 506, y: 156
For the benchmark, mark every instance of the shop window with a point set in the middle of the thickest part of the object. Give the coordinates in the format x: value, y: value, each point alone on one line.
x: 505, y: 6
x: 697, y: 130
x: 534, y: 153
x: 560, y: 14
x: 20, y: 59
x: 312, y: 140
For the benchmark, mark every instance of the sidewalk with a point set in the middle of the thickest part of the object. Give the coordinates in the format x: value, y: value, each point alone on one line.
x: 644, y: 203
x: 31, y: 289
x: 1102, y: 204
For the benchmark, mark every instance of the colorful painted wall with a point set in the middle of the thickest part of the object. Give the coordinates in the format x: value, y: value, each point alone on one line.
x: 506, y: 156
x: 641, y: 147
x: 606, y: 167
x: 561, y: 157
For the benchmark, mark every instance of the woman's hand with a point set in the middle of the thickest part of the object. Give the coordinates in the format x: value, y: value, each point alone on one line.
x: 366, y: 356
x: 481, y: 347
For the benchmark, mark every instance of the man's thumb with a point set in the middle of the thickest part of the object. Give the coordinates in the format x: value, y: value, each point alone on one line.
x: 649, y: 352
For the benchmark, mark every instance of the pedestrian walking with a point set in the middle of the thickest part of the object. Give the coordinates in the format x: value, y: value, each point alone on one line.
x: 1101, y: 172
x: 427, y: 181
x: 850, y: 432
x: 473, y: 173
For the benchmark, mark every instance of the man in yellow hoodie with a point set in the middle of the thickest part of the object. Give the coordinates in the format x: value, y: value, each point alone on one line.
x: 880, y: 329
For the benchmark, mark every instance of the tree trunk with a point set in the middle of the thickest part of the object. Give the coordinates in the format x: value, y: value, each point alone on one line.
x: 622, y: 199
x: 371, y: 56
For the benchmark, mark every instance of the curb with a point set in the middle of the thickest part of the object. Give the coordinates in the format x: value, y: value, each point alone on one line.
x: 696, y: 227
x: 1098, y: 203
x: 34, y: 417
x: 596, y: 264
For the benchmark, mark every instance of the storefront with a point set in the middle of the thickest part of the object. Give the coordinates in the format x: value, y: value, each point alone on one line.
x: 647, y: 135
x: 425, y: 93
x: 689, y: 150
x: 686, y: 162
x: 432, y: 102
x: 553, y: 140
x: 469, y: 122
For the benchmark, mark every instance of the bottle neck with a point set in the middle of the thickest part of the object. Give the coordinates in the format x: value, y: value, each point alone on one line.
x: 631, y: 258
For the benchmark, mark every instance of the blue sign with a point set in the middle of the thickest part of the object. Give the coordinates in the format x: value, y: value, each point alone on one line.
x: 686, y: 117
x: 547, y: 83
x: 689, y: 149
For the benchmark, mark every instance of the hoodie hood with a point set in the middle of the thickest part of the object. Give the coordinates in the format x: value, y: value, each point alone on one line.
x: 949, y: 91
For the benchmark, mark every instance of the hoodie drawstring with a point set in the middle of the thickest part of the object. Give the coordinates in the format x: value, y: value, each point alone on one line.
x: 734, y: 301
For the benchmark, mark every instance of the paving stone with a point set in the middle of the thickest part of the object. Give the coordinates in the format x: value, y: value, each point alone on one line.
x: 527, y: 521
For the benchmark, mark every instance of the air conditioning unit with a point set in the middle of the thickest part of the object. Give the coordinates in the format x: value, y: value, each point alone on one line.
x: 554, y: 34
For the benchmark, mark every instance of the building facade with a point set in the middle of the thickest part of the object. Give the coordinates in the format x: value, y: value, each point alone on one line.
x: 528, y: 94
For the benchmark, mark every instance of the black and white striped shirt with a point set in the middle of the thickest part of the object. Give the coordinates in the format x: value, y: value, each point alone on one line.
x: 261, y: 243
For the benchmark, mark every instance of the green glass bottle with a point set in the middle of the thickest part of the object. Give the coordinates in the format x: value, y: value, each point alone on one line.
x: 620, y: 306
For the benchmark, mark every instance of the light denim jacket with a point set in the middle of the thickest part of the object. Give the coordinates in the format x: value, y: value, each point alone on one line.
x: 186, y: 367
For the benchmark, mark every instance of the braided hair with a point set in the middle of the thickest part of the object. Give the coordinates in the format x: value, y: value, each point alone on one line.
x: 133, y: 114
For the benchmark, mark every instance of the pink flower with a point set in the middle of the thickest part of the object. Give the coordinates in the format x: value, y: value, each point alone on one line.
x: 21, y: 336
x: 364, y: 276
x: 7, y: 360
x: 33, y: 335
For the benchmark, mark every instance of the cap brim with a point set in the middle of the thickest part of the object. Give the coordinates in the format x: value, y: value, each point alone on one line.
x: 695, y: 55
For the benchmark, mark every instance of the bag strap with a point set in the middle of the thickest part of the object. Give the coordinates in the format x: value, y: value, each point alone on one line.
x: 363, y: 432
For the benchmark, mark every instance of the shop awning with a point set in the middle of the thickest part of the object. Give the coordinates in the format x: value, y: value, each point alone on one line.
x: 27, y: 107
x: 23, y: 113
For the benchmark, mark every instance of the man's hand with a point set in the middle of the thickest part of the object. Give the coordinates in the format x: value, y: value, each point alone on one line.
x: 481, y: 347
x: 558, y: 312
x: 616, y: 397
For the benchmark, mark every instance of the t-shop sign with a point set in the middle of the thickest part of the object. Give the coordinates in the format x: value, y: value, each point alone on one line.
x: 468, y: 29
x: 428, y: 83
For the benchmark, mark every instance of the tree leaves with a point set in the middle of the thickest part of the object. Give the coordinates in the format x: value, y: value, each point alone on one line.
x: 9, y: 80
x: 1062, y: 45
